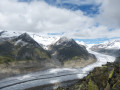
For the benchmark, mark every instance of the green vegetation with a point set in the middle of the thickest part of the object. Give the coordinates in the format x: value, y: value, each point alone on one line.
x: 40, y: 53
x: 117, y: 83
x: 6, y: 59
x: 10, y: 52
x: 111, y: 74
x: 92, y: 86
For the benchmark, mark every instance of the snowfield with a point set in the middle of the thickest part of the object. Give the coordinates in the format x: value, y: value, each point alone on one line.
x: 41, y: 39
x: 52, y: 76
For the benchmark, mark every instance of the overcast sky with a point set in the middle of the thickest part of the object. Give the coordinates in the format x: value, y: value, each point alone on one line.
x: 81, y: 19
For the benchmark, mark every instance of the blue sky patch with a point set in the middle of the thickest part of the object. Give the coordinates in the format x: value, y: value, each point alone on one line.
x: 88, y: 9
x: 111, y: 29
x: 93, y: 41
x: 56, y: 33
x: 97, y: 40
x: 25, y: 0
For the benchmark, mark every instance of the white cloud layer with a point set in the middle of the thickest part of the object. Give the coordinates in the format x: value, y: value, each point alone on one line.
x: 39, y: 17
x: 110, y: 13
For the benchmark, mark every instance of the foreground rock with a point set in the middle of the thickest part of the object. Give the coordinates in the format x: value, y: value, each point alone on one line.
x: 106, y: 77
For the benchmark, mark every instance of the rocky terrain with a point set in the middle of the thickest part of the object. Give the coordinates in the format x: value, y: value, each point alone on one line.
x: 106, y: 77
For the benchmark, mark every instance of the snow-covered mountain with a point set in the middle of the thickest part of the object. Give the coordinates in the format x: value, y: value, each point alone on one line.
x: 63, y: 41
x: 68, y: 52
x: 43, y: 40
x: 22, y: 47
x: 114, y: 44
x: 109, y: 47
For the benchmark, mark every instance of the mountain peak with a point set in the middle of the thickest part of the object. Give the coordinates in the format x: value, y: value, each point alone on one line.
x: 64, y: 40
x: 113, y: 44
x: 1, y: 32
x: 26, y: 38
x: 25, y: 35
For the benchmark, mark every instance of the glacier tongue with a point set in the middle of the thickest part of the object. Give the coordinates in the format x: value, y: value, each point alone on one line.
x: 54, y: 75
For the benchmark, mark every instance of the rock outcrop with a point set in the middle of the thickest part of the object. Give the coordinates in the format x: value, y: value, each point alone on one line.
x: 106, y: 77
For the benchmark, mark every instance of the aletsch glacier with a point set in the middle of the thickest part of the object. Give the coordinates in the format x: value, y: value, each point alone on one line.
x: 52, y: 76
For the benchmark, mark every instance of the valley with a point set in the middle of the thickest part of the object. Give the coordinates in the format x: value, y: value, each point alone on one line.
x: 22, y: 54
x: 52, y: 76
x: 34, y: 65
x: 59, y: 45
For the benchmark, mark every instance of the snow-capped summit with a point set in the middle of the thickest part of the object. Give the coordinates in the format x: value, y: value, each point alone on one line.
x: 45, y: 40
x: 64, y: 40
x: 109, y: 47
x: 25, y: 37
x: 81, y: 43
x: 114, y: 44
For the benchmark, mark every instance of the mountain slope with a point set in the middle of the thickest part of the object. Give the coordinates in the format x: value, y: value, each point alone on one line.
x: 23, y: 47
x: 67, y: 51
x: 22, y: 54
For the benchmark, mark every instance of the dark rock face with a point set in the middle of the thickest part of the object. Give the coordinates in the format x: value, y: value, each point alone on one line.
x: 68, y: 49
x: 23, y: 47
x: 106, y: 77
x: 2, y: 32
x: 26, y: 38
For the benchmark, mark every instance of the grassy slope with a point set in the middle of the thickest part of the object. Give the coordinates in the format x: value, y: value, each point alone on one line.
x: 10, y: 52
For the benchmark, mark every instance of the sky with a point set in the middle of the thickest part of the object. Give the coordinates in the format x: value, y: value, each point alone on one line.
x: 92, y: 21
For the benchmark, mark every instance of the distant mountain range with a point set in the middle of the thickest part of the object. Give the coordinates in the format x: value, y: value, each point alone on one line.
x: 43, y: 40
x: 110, y: 48
x: 22, y: 52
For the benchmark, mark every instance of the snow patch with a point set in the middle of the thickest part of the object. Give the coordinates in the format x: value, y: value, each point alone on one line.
x: 21, y: 42
x: 62, y: 40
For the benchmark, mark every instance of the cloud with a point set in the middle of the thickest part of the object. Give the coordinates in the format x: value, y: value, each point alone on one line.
x: 40, y: 17
x: 110, y: 13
